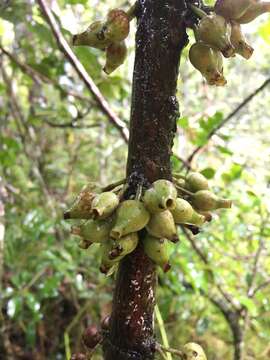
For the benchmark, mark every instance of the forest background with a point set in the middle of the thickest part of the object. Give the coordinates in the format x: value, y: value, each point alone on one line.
x: 54, y: 138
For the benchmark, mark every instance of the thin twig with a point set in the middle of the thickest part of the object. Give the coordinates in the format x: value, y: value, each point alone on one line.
x: 229, y: 117
x: 172, y: 351
x: 185, y: 163
x: 180, y: 188
x: 261, y: 286
x: 79, y: 68
x: 162, y: 330
x: 36, y: 76
x: 113, y: 185
x: 257, y: 258
x: 70, y: 124
x: 159, y: 350
x: 132, y: 11
x: 26, y: 134
x: 205, y: 260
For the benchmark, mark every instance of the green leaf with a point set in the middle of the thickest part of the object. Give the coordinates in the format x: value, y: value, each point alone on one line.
x: 209, y: 173
x: 183, y: 122
x: 224, y: 150
x: 248, y: 303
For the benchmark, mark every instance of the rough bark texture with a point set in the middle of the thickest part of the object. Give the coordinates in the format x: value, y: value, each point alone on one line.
x: 238, y: 342
x: 160, y: 38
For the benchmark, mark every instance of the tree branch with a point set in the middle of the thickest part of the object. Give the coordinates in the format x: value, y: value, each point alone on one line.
x: 36, y: 76
x: 205, y: 260
x: 78, y: 67
x: 257, y: 258
x: 260, y: 287
x: 71, y: 124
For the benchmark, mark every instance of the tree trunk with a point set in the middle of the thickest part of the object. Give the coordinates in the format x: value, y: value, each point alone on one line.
x: 238, y: 342
x: 160, y: 38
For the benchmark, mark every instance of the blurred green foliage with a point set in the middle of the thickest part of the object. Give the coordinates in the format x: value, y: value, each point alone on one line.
x: 50, y: 289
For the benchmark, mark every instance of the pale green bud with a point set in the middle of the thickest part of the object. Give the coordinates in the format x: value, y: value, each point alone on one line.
x: 116, y: 54
x: 185, y: 214
x: 81, y: 208
x: 160, y: 197
x: 215, y: 31
x: 161, y: 225
x: 239, y: 42
x: 131, y: 216
x: 104, y: 204
x: 157, y: 250
x: 204, y: 200
x: 124, y: 246
x: 209, y: 62
x: 196, y: 181
x: 193, y: 351
x: 94, y: 231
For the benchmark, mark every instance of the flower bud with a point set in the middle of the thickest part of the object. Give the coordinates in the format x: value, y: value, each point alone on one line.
x: 193, y: 351
x: 185, y: 214
x: 81, y: 209
x: 131, y: 216
x: 160, y: 197
x: 195, y: 230
x: 204, y: 200
x: 157, y: 250
x: 124, y: 246
x: 207, y: 216
x: 196, y: 181
x: 209, y: 62
x: 108, y: 266
x: 93, y: 36
x: 239, y: 42
x: 104, y: 204
x: 256, y: 9
x: 94, y: 231
x: 117, y: 25
x: 161, y: 225
x: 215, y: 31
x: 78, y: 356
x: 116, y: 54
x: 84, y: 244
x: 232, y: 9
x: 91, y: 337
x: 105, y: 323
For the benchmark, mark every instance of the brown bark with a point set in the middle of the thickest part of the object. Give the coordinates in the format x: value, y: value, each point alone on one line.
x: 160, y: 38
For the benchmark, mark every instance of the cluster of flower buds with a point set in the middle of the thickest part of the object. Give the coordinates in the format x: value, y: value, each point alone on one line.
x: 108, y: 35
x: 219, y: 33
x: 108, y: 222
x: 115, y: 223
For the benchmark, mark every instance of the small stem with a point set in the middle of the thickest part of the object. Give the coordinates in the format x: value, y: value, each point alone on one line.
x: 178, y: 187
x: 117, y: 189
x: 197, y: 11
x: 195, y: 32
x: 139, y: 192
x: 208, y: 9
x: 113, y: 185
x: 67, y: 346
x: 132, y: 11
x: 172, y: 351
x: 179, y: 176
x: 159, y: 350
x: 162, y: 330
x: 122, y: 191
x: 92, y: 351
